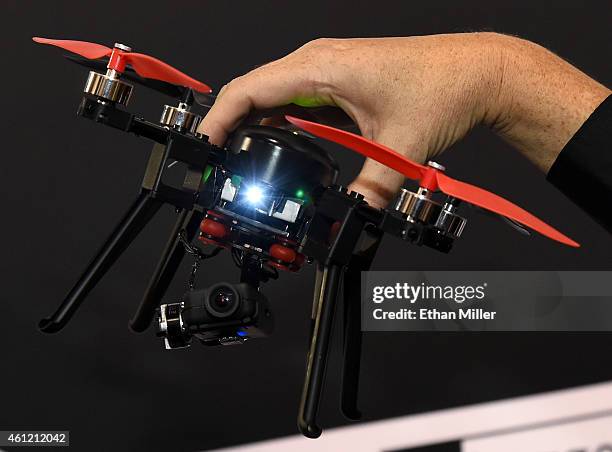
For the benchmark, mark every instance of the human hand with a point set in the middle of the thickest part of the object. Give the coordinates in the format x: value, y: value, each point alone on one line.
x: 419, y: 95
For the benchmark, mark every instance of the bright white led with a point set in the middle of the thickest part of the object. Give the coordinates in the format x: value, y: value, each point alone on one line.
x: 254, y: 194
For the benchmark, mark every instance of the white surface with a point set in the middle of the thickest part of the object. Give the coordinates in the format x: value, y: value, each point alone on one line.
x: 590, y: 435
x: 455, y: 424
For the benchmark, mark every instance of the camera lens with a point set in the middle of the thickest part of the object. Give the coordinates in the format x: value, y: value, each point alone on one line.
x: 222, y: 300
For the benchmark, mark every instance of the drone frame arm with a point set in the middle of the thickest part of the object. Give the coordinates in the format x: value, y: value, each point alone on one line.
x: 361, y: 261
x: 136, y: 218
x: 194, y: 151
x: 334, y: 233
x: 318, y: 351
x: 342, y: 240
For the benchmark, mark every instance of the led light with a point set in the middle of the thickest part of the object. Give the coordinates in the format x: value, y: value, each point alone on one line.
x: 299, y: 193
x: 254, y: 194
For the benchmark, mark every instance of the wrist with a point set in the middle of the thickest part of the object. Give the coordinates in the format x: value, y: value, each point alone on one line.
x: 541, y: 100
x: 495, y: 90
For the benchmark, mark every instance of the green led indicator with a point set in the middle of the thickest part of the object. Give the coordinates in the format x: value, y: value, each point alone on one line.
x: 299, y: 194
x: 206, y: 173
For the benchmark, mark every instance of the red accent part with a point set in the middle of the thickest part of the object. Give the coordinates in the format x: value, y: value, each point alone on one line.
x: 432, y: 179
x: 214, y: 228
x: 207, y: 241
x: 494, y: 203
x: 117, y: 61
x: 290, y: 268
x: 283, y: 253
x: 429, y: 179
x: 279, y: 266
x: 144, y: 65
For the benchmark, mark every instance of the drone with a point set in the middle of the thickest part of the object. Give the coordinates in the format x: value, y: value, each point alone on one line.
x: 269, y: 197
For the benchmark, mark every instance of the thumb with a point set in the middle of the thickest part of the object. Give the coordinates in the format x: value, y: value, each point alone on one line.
x: 377, y: 183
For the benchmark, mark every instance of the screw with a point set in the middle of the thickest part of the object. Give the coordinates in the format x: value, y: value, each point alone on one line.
x: 436, y: 165
x: 123, y: 47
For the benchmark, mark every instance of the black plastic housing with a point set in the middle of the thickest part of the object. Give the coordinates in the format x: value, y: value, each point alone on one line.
x: 282, y: 159
x: 252, y: 314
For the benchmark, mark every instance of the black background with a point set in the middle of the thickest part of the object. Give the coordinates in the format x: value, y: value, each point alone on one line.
x: 66, y: 181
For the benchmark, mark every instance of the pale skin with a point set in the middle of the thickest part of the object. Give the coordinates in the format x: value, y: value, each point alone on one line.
x: 419, y: 95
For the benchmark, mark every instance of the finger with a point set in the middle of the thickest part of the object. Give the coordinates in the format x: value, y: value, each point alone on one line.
x: 377, y: 183
x: 266, y: 87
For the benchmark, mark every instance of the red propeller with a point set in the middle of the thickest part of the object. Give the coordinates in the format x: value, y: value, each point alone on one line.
x: 144, y: 65
x: 432, y: 178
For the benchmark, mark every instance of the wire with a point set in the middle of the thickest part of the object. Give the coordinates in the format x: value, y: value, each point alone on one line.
x: 194, y: 251
x: 198, y: 257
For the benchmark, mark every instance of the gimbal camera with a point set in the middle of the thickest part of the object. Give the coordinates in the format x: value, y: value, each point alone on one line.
x: 270, y: 197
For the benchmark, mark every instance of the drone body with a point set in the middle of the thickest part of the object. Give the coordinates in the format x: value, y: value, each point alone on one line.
x: 270, y: 198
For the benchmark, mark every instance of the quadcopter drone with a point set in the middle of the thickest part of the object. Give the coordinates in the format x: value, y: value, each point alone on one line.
x: 268, y: 196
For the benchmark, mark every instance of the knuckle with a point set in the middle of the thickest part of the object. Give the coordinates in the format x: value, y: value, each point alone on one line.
x: 320, y: 42
x: 317, y: 45
x: 325, y: 52
x: 233, y: 87
x: 233, y: 84
x: 222, y: 90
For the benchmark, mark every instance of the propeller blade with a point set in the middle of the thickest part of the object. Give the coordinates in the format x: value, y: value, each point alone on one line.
x: 368, y: 148
x: 461, y: 190
x: 85, y: 49
x: 148, y: 67
x: 144, y: 65
x: 494, y: 203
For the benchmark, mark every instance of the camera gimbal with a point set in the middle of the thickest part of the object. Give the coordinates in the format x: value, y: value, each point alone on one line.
x: 270, y: 197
